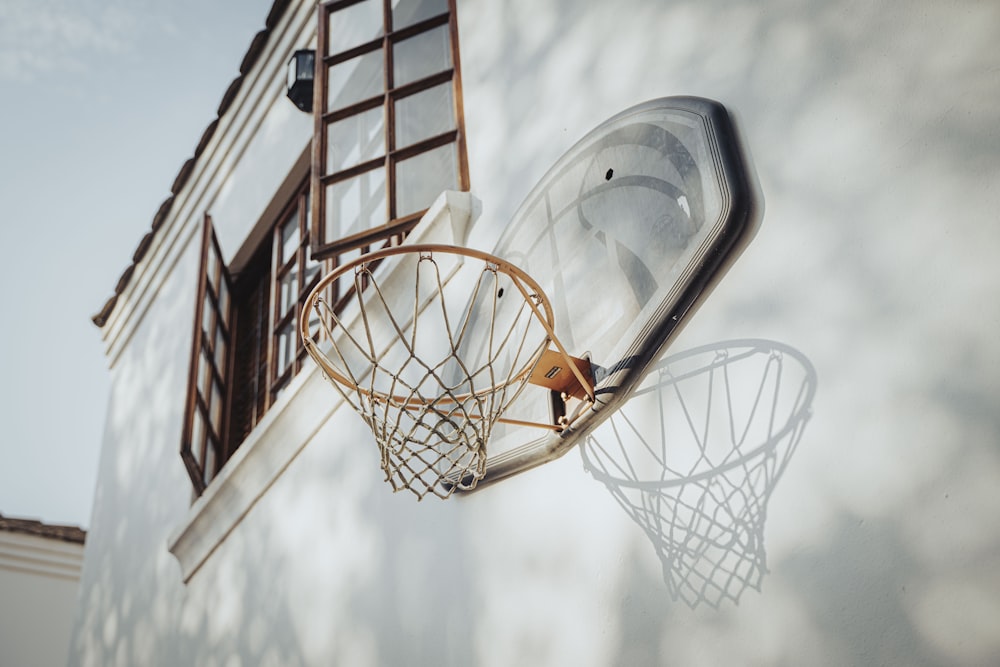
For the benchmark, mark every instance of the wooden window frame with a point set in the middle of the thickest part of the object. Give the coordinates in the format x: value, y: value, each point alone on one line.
x: 204, y: 451
x: 323, y: 117
x: 299, y: 264
x: 205, y: 447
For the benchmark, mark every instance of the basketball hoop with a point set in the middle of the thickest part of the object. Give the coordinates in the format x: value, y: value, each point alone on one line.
x: 431, y: 368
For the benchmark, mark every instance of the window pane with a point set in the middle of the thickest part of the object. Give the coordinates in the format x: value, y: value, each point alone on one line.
x: 355, y: 204
x: 211, y: 267
x: 208, y: 469
x: 204, y: 374
x: 346, y: 281
x: 197, y: 435
x: 289, y: 238
x: 355, y: 139
x: 224, y: 301
x: 425, y: 114
x: 420, y: 56
x: 312, y: 272
x: 216, y: 409
x: 207, y: 317
x: 354, y: 80
x: 408, y: 12
x: 355, y: 25
x: 420, y: 179
x: 288, y: 291
x: 285, y: 347
x: 220, y: 352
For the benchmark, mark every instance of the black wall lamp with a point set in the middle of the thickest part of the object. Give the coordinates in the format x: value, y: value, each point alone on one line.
x: 301, y: 70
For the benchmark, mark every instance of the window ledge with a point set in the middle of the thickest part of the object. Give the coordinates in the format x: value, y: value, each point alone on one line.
x: 291, y: 422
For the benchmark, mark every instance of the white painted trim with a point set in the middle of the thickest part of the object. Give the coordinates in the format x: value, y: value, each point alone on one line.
x: 291, y: 422
x: 40, y: 556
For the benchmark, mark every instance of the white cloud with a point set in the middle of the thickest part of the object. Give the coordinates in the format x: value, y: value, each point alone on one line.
x: 41, y: 36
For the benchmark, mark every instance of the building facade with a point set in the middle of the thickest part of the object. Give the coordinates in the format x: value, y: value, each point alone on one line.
x: 39, y: 586
x: 241, y: 517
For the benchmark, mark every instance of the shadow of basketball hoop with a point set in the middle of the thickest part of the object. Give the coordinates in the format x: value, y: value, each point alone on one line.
x: 695, y: 454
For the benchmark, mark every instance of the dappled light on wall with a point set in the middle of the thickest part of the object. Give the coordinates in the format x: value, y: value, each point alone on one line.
x: 695, y: 454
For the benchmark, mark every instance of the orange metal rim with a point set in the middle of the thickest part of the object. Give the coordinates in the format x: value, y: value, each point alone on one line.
x: 524, y: 282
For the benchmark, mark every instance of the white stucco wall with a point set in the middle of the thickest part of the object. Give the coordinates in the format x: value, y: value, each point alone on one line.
x: 39, y: 584
x: 875, y: 137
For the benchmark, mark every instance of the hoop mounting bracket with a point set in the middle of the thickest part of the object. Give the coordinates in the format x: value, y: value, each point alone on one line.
x: 553, y: 372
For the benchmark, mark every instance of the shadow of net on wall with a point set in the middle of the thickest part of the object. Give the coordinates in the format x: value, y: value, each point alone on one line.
x: 694, y: 456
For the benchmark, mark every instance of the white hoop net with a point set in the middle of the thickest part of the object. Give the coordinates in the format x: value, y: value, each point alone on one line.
x: 432, y: 354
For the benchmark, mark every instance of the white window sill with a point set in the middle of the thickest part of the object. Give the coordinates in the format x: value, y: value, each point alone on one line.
x: 291, y: 423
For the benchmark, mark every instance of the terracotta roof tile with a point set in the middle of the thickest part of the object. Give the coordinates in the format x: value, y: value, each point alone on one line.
x: 206, y: 136
x: 37, y: 528
x: 101, y: 317
x: 182, y: 176
x: 125, y: 277
x: 161, y: 213
x: 142, y: 247
x: 256, y: 46
x: 230, y: 95
x: 277, y: 9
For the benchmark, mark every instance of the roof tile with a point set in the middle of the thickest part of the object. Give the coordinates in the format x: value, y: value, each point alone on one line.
x: 32, y: 527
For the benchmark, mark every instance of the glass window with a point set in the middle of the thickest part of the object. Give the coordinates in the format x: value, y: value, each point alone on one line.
x: 205, y: 372
x: 425, y: 114
x: 420, y: 179
x: 346, y: 281
x: 421, y: 55
x: 408, y: 12
x: 210, y: 460
x: 224, y: 302
x: 356, y: 204
x: 198, y: 433
x: 355, y: 139
x: 207, y: 314
x: 288, y: 291
x: 369, y: 123
x: 285, y: 348
x: 289, y: 238
x: 313, y: 269
x: 355, y: 25
x: 212, y: 269
x: 216, y: 408
x: 220, y: 349
x: 355, y: 80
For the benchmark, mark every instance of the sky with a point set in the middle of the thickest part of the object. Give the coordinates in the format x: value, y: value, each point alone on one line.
x: 101, y: 102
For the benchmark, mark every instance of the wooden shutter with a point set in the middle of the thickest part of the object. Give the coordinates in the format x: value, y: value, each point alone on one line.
x: 205, y: 415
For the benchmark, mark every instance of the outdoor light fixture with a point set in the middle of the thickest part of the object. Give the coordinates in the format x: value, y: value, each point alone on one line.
x: 300, y: 78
